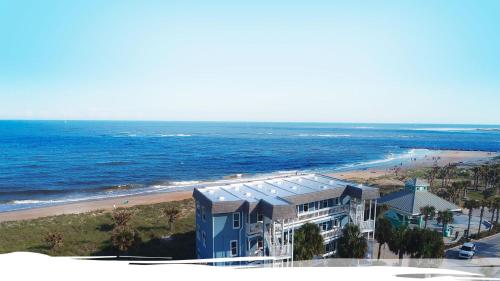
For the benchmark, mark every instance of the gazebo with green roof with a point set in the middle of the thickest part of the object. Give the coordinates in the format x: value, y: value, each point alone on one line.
x: 404, y: 206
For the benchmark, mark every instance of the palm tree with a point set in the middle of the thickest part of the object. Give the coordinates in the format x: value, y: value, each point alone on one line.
x: 432, y: 176
x: 428, y: 212
x: 383, y: 233
x: 483, y: 172
x: 397, y: 243
x: 171, y: 214
x: 475, y: 172
x: 492, y: 207
x: 352, y: 244
x: 121, y: 217
x: 483, y: 203
x: 445, y: 217
x: 308, y: 242
x: 54, y: 239
x: 470, y: 205
x: 381, y: 209
x: 123, y: 238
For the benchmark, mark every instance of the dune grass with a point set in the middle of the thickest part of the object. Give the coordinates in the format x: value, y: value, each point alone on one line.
x: 89, y: 233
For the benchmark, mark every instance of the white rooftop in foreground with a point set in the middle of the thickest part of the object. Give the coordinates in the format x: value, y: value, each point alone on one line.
x: 273, y: 190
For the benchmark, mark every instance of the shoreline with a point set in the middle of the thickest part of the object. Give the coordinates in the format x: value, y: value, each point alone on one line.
x: 462, y: 157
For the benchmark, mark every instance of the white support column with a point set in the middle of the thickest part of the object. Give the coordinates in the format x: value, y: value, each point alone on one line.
x: 374, y: 218
x: 293, y: 237
x: 370, y: 217
x: 370, y: 211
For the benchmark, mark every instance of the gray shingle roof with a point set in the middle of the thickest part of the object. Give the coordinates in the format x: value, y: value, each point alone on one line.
x: 410, y: 202
x: 416, y: 182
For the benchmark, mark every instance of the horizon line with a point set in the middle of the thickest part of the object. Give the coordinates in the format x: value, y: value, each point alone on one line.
x: 248, y: 121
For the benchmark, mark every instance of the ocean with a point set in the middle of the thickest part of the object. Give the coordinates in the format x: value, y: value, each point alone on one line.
x: 53, y: 162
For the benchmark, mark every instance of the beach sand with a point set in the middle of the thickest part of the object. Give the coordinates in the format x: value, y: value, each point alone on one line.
x: 88, y: 206
x: 446, y: 157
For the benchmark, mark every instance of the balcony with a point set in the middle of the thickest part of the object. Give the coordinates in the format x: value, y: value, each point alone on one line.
x: 332, y: 233
x: 281, y: 250
x: 323, y: 212
x: 254, y: 228
x: 367, y: 226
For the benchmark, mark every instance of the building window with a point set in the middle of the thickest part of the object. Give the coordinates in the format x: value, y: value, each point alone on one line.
x: 336, y: 223
x: 330, y: 202
x: 324, y: 226
x: 260, y: 217
x: 312, y: 206
x: 305, y: 207
x: 324, y: 204
x: 203, y: 215
x: 236, y: 220
x: 198, y: 208
x: 234, y: 248
x: 204, y: 238
x: 260, y: 244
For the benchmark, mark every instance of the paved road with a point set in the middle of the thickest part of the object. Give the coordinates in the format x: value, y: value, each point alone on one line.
x: 486, y: 248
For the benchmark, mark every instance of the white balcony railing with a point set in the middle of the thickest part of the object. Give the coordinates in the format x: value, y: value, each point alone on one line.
x: 366, y: 226
x: 336, y: 232
x: 253, y: 228
x: 281, y: 250
x: 323, y: 212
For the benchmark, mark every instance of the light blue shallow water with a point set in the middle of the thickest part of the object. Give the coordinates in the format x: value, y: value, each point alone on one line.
x: 48, y: 162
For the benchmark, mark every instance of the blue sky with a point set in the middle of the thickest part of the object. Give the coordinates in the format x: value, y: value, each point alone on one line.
x: 325, y: 61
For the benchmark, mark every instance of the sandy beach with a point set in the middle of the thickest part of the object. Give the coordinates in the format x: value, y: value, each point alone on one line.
x: 441, y: 158
x: 445, y: 157
x: 88, y: 206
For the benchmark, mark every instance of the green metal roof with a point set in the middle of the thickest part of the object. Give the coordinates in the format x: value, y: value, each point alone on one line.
x: 410, y: 201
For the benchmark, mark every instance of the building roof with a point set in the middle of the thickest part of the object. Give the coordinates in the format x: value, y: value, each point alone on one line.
x: 279, y: 195
x: 416, y: 182
x: 410, y: 201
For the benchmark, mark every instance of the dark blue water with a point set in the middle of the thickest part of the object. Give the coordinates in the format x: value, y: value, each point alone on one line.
x: 46, y: 162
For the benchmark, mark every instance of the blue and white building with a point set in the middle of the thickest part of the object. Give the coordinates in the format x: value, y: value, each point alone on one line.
x: 259, y: 217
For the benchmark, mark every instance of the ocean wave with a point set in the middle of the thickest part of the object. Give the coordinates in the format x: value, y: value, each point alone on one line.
x: 114, y: 163
x: 175, y: 135
x: 391, y: 157
x: 445, y: 129
x: 325, y: 135
x: 179, y: 183
x: 125, y: 135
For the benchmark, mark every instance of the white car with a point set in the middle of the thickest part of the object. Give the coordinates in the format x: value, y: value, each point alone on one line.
x: 467, y: 251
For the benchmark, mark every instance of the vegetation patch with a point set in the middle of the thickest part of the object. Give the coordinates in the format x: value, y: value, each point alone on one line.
x: 153, y: 233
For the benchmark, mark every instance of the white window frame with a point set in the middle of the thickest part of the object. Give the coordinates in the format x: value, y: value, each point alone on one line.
x: 324, y: 226
x: 231, y: 247
x: 238, y: 220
